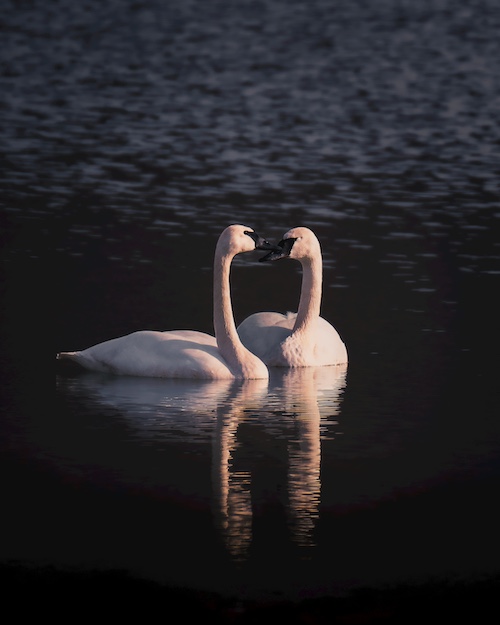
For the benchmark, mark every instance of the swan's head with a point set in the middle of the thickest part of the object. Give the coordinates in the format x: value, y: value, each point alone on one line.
x: 299, y: 243
x: 236, y: 239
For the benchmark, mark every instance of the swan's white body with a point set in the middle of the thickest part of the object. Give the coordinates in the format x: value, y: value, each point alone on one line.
x: 302, y: 339
x: 187, y: 353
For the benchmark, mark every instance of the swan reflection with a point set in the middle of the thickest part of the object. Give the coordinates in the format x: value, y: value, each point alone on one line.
x: 297, y: 403
x: 265, y: 439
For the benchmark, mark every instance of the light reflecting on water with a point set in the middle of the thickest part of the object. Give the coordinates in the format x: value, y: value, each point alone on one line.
x: 264, y: 439
x: 300, y: 404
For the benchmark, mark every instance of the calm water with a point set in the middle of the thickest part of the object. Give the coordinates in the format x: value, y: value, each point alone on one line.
x: 132, y: 134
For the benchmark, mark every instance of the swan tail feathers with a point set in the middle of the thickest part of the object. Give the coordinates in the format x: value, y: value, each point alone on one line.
x: 72, y: 361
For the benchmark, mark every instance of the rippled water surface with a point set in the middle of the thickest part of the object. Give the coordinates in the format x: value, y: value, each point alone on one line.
x: 132, y: 134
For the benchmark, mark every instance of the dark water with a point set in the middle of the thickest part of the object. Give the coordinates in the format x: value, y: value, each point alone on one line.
x: 132, y: 134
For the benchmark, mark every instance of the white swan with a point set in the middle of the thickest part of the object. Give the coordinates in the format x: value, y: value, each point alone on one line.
x: 302, y: 339
x: 187, y: 353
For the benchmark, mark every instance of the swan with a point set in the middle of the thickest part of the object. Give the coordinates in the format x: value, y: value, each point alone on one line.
x: 302, y: 339
x: 187, y: 353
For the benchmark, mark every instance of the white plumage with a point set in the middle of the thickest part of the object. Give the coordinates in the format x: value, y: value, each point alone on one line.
x: 187, y: 353
x: 302, y: 339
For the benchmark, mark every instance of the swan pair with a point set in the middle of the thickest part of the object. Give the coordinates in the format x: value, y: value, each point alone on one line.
x: 263, y: 339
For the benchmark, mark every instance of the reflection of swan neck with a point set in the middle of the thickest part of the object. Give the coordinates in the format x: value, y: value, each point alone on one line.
x: 232, y: 483
x: 241, y: 361
x: 310, y: 293
x: 304, y: 485
x: 232, y: 499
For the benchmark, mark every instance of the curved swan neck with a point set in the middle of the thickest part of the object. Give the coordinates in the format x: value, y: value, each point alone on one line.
x: 310, y: 293
x: 240, y: 360
x: 225, y: 328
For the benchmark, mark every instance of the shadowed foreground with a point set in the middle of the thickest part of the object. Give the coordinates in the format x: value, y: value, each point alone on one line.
x: 57, y: 593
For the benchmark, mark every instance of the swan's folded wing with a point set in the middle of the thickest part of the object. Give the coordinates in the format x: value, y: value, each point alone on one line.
x: 329, y: 348
x: 173, y: 354
x: 263, y: 332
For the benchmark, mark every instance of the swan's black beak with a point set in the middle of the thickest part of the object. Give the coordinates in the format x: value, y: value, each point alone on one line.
x: 282, y: 250
x: 262, y: 244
